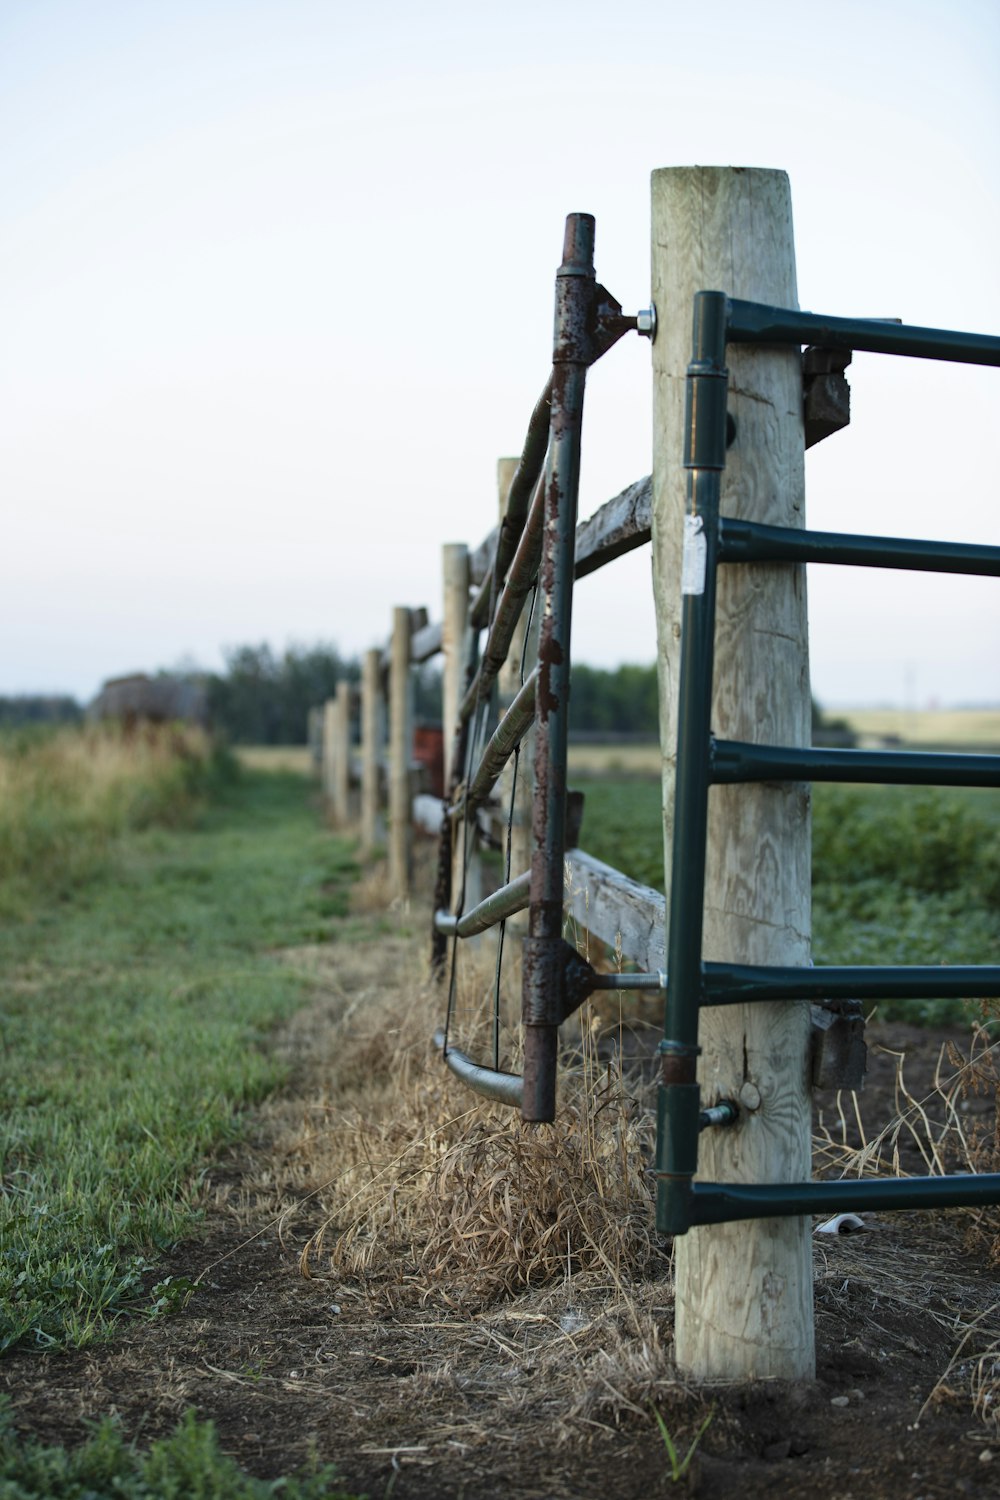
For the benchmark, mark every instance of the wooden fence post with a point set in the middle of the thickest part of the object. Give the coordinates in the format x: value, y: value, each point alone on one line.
x: 342, y: 754
x: 371, y: 748
x: 314, y: 739
x: 329, y: 747
x: 454, y: 641
x: 400, y: 756
x: 743, y: 1290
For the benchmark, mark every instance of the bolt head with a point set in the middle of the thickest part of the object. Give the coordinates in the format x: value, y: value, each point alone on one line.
x: 645, y: 322
x: 750, y: 1096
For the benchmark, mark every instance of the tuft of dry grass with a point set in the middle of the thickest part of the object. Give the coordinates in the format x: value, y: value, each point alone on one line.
x: 436, y: 1194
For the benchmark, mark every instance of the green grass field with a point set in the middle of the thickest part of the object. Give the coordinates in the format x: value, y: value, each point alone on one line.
x: 138, y: 992
x: 900, y: 876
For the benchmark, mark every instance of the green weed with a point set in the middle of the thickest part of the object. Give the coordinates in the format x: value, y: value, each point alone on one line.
x: 187, y: 1465
x: 679, y: 1466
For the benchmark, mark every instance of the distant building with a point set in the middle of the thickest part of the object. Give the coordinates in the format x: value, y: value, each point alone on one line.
x: 151, y: 700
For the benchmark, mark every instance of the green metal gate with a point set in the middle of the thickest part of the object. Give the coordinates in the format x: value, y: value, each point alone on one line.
x: 702, y: 761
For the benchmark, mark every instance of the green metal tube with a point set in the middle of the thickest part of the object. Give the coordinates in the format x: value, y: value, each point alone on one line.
x: 752, y: 541
x: 756, y: 323
x: 722, y: 1202
x: 704, y: 458
x: 736, y: 761
x: 739, y: 984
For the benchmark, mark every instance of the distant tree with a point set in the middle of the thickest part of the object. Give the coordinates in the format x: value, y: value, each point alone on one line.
x: 36, y: 708
x: 619, y: 701
x: 264, y: 699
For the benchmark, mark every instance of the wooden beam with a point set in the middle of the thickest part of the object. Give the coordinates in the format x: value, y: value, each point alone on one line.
x: 619, y: 526
x: 372, y: 734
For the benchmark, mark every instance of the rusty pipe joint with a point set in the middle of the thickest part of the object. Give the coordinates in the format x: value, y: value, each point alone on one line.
x: 576, y: 295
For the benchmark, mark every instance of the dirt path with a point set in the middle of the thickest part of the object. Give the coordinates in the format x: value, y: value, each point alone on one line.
x: 544, y: 1394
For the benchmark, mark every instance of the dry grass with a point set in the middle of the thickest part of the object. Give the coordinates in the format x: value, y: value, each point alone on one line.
x: 276, y: 758
x: 438, y: 1195
x: 955, y: 727
x: 538, y: 1243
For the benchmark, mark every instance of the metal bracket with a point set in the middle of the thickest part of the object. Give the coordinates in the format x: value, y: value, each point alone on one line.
x: 839, y: 1054
x: 826, y: 395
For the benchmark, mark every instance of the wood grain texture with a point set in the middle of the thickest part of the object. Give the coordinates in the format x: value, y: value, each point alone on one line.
x: 744, y: 1292
x: 329, y: 747
x: 400, y: 755
x: 612, y: 908
x: 372, y: 735
x: 342, y: 754
x: 620, y: 525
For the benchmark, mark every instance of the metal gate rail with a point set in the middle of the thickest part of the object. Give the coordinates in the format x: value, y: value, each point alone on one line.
x: 536, y: 540
x: 702, y: 761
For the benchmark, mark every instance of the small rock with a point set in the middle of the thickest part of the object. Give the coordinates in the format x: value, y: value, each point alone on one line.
x: 781, y: 1449
x: 855, y: 1394
x: 986, y: 1457
x: 840, y: 1400
x: 797, y: 1446
x: 335, y: 1309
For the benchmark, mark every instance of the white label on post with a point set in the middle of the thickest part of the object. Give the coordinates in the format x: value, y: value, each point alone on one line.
x: 695, y: 551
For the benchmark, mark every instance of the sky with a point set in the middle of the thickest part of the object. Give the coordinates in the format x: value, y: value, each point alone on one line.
x: 276, y: 283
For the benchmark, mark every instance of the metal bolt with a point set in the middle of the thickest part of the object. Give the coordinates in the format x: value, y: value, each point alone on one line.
x: 645, y: 322
x: 750, y: 1096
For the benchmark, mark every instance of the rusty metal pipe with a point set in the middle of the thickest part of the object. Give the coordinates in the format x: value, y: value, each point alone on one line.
x: 544, y: 979
x: 526, y: 477
x: 503, y: 742
x: 523, y: 572
x: 503, y: 903
x: 504, y: 1088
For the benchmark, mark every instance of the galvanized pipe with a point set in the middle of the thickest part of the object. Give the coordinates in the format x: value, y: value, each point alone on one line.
x: 544, y: 980
x: 504, y: 1088
x: 752, y: 541
x: 503, y: 742
x: 756, y: 323
x: 732, y: 761
x: 503, y: 903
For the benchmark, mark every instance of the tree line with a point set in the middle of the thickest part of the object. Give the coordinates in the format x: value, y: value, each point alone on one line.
x: 263, y: 697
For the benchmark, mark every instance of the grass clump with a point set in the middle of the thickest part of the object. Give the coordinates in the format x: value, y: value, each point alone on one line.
x: 434, y: 1194
x: 187, y: 1465
x: 67, y: 796
x: 134, y: 1013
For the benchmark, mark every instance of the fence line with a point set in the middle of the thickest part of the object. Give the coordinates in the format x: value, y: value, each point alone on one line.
x: 748, y: 1003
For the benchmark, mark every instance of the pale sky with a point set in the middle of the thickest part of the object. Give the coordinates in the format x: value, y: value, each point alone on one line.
x: 276, y: 289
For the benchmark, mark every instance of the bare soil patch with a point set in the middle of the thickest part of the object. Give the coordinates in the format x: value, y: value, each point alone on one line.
x: 547, y: 1391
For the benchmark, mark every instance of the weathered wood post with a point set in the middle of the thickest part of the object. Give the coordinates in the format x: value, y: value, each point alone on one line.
x: 744, y: 1290
x: 454, y: 641
x: 329, y: 748
x: 314, y: 739
x: 342, y: 754
x: 371, y: 749
x: 400, y: 756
